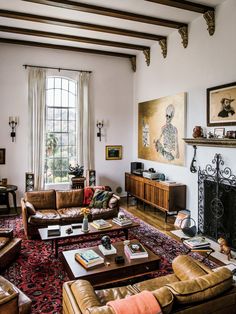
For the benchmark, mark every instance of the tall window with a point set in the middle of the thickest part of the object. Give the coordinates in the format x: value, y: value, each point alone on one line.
x: 61, y: 150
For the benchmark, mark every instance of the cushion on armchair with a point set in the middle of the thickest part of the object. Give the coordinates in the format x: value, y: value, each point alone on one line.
x: 100, y: 199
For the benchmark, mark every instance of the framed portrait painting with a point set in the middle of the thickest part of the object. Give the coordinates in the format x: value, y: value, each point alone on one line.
x: 221, y: 105
x: 113, y: 152
x: 161, y: 129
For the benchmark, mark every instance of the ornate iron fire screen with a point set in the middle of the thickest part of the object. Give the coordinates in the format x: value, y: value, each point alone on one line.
x: 217, y: 202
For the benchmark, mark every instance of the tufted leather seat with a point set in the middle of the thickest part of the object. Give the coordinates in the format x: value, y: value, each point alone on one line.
x: 9, y: 247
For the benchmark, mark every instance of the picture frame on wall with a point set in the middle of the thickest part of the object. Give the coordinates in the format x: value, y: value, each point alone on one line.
x: 113, y: 152
x: 219, y: 132
x: 221, y: 105
x: 2, y: 156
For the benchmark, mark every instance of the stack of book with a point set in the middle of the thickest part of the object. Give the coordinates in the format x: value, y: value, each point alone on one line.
x: 135, y: 250
x: 89, y: 258
x: 54, y: 230
x: 101, y: 224
x: 197, y: 243
x: 122, y: 221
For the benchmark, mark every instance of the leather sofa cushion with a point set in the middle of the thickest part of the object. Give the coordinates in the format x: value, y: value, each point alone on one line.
x: 111, y: 294
x: 7, y: 291
x: 165, y: 298
x: 41, y: 199
x: 4, y: 241
x: 155, y: 283
x: 202, y: 288
x: 73, y: 198
x: 71, y: 214
x: 45, y: 217
x: 185, y: 268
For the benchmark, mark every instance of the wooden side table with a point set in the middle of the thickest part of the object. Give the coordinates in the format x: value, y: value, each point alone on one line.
x: 77, y: 182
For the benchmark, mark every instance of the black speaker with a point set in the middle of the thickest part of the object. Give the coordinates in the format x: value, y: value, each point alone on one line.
x: 90, y: 177
x: 29, y: 181
x: 136, y: 165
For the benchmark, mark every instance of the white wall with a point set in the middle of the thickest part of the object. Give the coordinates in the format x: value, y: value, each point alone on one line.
x: 111, y: 98
x: 207, y: 62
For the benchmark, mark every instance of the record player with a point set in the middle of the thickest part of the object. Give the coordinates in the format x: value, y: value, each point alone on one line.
x: 153, y: 175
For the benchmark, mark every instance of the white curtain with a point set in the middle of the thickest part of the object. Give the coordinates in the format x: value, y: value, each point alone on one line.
x: 83, y: 116
x: 36, y: 103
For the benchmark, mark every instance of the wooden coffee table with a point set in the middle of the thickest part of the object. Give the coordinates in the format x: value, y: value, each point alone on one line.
x: 78, y: 233
x: 110, y: 272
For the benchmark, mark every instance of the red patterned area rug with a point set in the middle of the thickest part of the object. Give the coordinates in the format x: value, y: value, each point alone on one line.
x: 40, y: 275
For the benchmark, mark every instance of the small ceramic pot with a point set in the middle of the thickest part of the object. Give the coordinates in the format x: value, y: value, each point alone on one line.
x: 197, y: 131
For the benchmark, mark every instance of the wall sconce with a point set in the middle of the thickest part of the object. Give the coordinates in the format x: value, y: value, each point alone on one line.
x: 99, y: 126
x: 13, y: 121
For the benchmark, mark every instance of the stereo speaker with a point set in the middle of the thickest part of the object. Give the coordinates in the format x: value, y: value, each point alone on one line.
x: 136, y: 166
x: 90, y: 177
x: 29, y: 181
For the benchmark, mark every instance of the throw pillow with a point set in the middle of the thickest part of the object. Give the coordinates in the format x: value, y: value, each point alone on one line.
x: 100, y: 199
x: 88, y: 195
x: 30, y: 208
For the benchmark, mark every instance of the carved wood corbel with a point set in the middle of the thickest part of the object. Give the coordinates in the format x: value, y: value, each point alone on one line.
x: 209, y: 16
x: 163, y: 44
x: 184, y: 35
x: 146, y: 53
x: 133, y: 63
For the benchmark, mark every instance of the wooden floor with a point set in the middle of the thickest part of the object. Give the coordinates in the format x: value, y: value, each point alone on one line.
x: 149, y: 214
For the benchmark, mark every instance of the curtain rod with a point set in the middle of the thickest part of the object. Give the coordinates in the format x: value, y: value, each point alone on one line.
x: 54, y: 68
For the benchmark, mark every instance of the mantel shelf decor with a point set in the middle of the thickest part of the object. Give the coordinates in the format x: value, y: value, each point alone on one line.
x: 226, y: 142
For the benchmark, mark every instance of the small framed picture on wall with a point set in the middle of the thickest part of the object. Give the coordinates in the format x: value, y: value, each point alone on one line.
x: 2, y: 156
x: 113, y: 152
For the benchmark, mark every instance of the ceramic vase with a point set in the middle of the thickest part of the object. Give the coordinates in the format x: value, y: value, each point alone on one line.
x: 197, y: 131
x: 85, y: 224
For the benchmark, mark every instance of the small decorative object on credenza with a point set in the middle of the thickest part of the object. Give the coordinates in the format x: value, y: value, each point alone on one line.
x: 224, y: 248
x: 197, y: 131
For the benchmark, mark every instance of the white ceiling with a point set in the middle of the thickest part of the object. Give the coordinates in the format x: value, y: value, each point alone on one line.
x: 135, y: 6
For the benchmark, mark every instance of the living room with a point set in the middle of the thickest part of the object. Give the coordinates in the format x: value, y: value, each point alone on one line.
x: 116, y: 91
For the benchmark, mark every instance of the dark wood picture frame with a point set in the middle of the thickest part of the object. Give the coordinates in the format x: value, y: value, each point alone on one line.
x: 2, y: 156
x: 113, y: 152
x: 221, y: 105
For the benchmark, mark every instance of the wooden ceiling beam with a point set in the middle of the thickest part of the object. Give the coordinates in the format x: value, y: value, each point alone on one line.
x: 184, y: 5
x: 79, y: 25
x: 207, y: 11
x: 78, y: 39
x: 71, y: 48
x: 88, y: 8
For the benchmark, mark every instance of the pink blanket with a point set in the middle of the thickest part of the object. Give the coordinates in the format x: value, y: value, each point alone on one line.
x: 142, y: 303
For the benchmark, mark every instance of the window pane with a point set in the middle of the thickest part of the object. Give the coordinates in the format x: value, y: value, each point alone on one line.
x: 57, y: 126
x: 50, y: 82
x: 58, y: 82
x: 49, y: 113
x: 64, y: 139
x: 50, y: 126
x: 64, y: 126
x: 72, y: 126
x: 71, y: 100
x: 50, y: 97
x: 57, y: 114
x: 64, y: 114
x: 64, y: 100
x: 57, y: 98
x: 71, y: 114
x: 72, y: 87
x: 65, y: 84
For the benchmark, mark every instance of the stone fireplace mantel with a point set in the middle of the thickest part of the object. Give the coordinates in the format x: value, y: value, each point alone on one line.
x: 226, y: 142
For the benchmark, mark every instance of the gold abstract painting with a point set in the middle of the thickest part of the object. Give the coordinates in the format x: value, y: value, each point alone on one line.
x: 161, y: 129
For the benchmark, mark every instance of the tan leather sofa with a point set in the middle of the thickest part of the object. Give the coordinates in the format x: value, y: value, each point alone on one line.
x: 43, y: 208
x: 193, y: 288
x: 12, y: 299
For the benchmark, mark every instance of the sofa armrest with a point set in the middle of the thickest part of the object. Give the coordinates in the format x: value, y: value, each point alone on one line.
x: 114, y: 201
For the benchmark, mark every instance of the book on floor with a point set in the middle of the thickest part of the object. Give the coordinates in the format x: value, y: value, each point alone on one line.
x: 122, y: 222
x: 197, y: 242
x: 54, y: 230
x: 89, y: 258
x: 101, y: 224
x: 135, y: 250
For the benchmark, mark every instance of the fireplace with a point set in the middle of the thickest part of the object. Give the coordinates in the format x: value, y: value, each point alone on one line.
x: 217, y: 202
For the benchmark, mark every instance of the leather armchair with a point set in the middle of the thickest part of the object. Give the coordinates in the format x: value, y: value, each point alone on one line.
x: 12, y: 299
x: 193, y: 288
